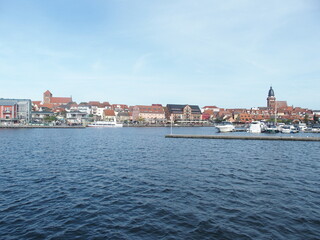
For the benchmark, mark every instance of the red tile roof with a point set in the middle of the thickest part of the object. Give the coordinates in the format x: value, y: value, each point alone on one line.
x: 108, y: 112
x: 210, y: 107
x: 60, y: 100
x: 36, y: 102
x: 149, y: 109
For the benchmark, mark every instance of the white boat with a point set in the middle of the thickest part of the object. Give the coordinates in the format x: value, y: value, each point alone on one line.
x: 105, y: 124
x: 289, y: 129
x: 225, y: 127
x: 302, y: 127
x: 271, y: 129
x: 256, y: 127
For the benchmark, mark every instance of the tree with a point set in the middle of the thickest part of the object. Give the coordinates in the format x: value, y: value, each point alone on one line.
x: 306, y: 118
x: 50, y: 118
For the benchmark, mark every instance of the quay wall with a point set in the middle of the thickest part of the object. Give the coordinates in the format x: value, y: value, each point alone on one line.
x: 35, y: 126
x: 269, y: 138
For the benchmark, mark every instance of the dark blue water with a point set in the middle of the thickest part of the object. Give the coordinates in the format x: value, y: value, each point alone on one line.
x: 132, y: 183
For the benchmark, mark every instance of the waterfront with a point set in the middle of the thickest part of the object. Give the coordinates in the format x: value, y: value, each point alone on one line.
x: 132, y: 183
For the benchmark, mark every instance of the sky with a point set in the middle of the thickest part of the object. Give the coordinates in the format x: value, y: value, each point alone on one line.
x: 204, y: 52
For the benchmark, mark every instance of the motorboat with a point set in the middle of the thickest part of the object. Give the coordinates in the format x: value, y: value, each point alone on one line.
x: 314, y: 129
x: 105, y: 124
x: 271, y: 129
x: 302, y: 127
x: 289, y: 129
x: 256, y: 127
x: 225, y: 127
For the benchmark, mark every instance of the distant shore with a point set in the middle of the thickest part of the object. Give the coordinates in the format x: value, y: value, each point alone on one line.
x: 82, y: 126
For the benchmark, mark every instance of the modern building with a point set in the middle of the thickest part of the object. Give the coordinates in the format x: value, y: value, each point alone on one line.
x: 15, y: 110
x: 40, y: 116
x: 76, y: 117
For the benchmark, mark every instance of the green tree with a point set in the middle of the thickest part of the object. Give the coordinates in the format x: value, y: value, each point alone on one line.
x: 50, y: 118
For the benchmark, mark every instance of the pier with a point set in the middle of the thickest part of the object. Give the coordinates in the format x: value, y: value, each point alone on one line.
x: 232, y: 137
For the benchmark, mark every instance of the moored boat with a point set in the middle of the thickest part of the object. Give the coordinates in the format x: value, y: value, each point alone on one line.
x: 225, y: 127
x: 289, y: 129
x: 256, y: 127
x: 105, y: 124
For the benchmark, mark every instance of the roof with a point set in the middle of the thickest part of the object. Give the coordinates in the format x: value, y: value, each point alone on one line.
x: 42, y: 112
x: 282, y: 104
x: 122, y: 106
x: 210, y: 107
x: 94, y: 103
x: 123, y: 114
x: 47, y: 92
x: 108, y: 112
x: 150, y: 109
x: 177, y: 108
x: 271, y: 92
x: 7, y: 102
x: 60, y: 100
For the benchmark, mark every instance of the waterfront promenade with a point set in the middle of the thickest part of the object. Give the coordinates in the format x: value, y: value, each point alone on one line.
x: 40, y: 126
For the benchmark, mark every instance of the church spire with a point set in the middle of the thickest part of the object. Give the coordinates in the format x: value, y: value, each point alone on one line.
x: 271, y: 92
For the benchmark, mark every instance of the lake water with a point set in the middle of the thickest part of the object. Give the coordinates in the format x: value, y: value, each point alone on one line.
x: 132, y: 183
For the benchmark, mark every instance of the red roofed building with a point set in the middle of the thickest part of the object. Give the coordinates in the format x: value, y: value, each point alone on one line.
x: 55, y: 101
x: 154, y: 113
x: 109, y: 115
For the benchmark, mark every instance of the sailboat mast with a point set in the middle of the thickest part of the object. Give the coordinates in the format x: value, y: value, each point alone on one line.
x: 275, y: 114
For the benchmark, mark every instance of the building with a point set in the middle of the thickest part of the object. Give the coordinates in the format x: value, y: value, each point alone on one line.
x: 124, y: 117
x: 15, y: 110
x: 40, y: 116
x: 151, y: 114
x: 183, y: 113
x: 76, y: 118
x: 272, y: 104
x: 109, y: 115
x: 51, y: 101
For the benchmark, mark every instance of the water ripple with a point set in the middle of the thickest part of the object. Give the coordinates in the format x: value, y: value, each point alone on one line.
x: 135, y: 184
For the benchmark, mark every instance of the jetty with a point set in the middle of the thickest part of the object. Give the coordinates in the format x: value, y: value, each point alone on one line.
x: 233, y: 137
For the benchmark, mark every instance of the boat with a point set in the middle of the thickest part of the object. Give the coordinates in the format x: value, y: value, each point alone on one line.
x: 256, y: 127
x: 105, y: 124
x: 289, y: 129
x: 271, y: 129
x: 302, y: 127
x: 225, y: 127
x: 314, y: 129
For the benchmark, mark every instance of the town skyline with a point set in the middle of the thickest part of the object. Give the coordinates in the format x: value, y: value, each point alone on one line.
x: 210, y: 52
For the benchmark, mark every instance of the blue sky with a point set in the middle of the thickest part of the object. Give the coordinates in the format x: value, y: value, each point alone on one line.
x: 208, y: 52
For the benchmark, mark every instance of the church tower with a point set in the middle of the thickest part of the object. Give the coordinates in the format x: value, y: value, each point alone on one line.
x: 271, y: 100
x: 47, y: 97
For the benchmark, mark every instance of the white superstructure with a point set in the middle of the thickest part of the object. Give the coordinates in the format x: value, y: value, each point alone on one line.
x: 105, y: 124
x: 255, y: 127
x: 225, y: 127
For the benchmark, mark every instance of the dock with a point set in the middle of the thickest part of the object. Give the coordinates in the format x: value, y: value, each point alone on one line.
x: 233, y: 137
